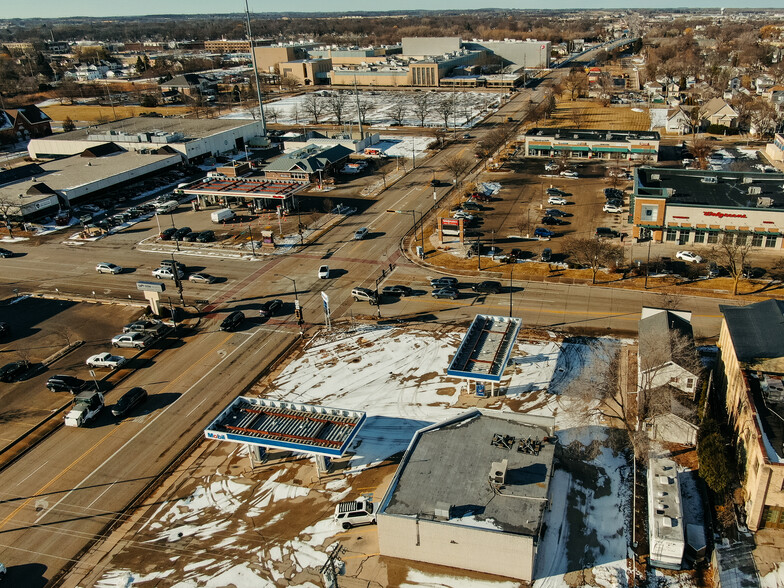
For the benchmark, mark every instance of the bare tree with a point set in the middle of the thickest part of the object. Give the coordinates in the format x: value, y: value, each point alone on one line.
x: 594, y: 253
x: 575, y: 83
x: 457, y: 165
x: 606, y: 88
x: 288, y: 83
x: 421, y: 106
x: 763, y: 117
x: 398, y: 110
x: 701, y: 150
x: 272, y: 114
x: 66, y: 333
x: 446, y: 107
x: 578, y: 116
x: 314, y: 106
x: 336, y: 106
x: 296, y: 113
x: 365, y: 106
x: 732, y: 252
x: 6, y: 206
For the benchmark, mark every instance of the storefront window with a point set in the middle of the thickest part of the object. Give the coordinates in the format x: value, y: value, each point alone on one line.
x: 699, y: 236
x: 713, y: 237
x: 770, y: 240
x: 672, y: 235
x: 742, y: 239
x: 756, y: 241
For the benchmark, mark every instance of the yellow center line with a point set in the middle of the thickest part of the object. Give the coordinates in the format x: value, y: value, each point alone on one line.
x: 95, y: 446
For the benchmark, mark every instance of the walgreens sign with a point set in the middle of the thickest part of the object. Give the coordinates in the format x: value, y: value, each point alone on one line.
x: 724, y: 214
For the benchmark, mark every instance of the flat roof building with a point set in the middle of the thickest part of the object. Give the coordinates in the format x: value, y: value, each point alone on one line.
x: 471, y: 493
x: 666, y: 534
x: 592, y: 144
x: 697, y: 207
x: 194, y: 139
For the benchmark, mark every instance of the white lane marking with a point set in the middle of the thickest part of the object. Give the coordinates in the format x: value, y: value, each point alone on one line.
x: 139, y: 432
x: 31, y: 473
x: 101, y: 494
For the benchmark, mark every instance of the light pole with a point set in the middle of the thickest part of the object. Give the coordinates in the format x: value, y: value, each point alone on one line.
x: 177, y: 280
x: 648, y: 262
x: 297, y: 307
x: 176, y: 239
x: 511, y: 275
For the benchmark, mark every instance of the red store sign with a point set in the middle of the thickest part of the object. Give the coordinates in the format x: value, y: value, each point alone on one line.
x: 724, y: 214
x: 450, y: 222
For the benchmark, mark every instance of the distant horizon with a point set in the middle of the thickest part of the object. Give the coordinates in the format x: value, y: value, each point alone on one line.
x: 98, y: 8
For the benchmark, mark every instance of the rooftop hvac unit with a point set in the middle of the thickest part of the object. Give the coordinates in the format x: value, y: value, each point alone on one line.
x: 663, y: 480
x: 656, y: 177
x: 764, y: 202
x: 710, y: 180
x: 498, y: 472
x: 754, y: 190
x: 748, y: 180
x: 443, y: 511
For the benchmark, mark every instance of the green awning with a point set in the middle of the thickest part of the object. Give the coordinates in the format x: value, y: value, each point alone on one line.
x: 576, y: 147
x: 612, y: 149
x: 641, y: 150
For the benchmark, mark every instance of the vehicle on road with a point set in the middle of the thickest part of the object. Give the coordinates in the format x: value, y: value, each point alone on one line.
x: 443, y: 282
x: 556, y: 200
x: 202, y: 278
x: 547, y: 254
x: 223, y: 215
x: 232, y: 321
x: 165, y: 273
x: 543, y: 233
x: 611, y: 208
x: 606, y: 232
x: 355, y: 513
x: 365, y: 294
x: 152, y: 327
x: 551, y: 220
x: 86, y: 407
x: 487, y: 287
x: 450, y: 293
x: 323, y: 272
x: 397, y: 290
x: 104, y: 267
x: 569, y: 173
x: 466, y: 136
x: 106, y: 359
x: 170, y: 263
x: 63, y: 383
x: 435, y: 183
x: 689, y: 256
x: 167, y: 234
x: 12, y: 371
x: 6, y: 253
x: 360, y: 234
x: 132, y: 398
x: 270, y: 308
x: 133, y: 340
x: 167, y: 207
x: 206, y: 237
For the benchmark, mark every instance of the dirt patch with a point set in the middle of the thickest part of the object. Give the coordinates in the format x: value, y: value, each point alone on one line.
x: 81, y: 112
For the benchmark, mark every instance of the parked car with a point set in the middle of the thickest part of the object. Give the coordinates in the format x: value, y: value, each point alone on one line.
x: 714, y: 271
x: 153, y: 327
x: 471, y: 206
x: 232, y: 321
x: 191, y: 237
x: 167, y: 234
x: 443, y: 282
x: 568, y: 173
x: 606, y: 232
x: 62, y: 383
x: 135, y: 340
x: 450, y: 293
x: 365, y: 294
x: 556, y: 192
x: 12, y: 371
x: 555, y: 212
x: 520, y: 254
x: 479, y: 197
x: 543, y: 233
x: 464, y: 215
x: 323, y: 272
x: 397, y: 290
x: 165, y: 273
x: 360, y: 234
x: 5, y: 253
x: 105, y: 359
x: 547, y: 254
x: 180, y: 233
x: 556, y: 200
x: 201, y: 277
x: 104, y: 267
x: 613, y: 194
x: 206, y: 237
x: 689, y: 256
x: 551, y: 166
x: 270, y: 307
x: 487, y: 287
x: 551, y: 220
x: 129, y: 400
x: 611, y: 208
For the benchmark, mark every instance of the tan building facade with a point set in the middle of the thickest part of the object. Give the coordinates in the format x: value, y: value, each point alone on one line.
x: 754, y: 399
x: 307, y: 72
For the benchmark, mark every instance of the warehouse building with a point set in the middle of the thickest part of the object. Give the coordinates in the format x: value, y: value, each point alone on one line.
x: 699, y: 207
x: 592, y: 144
x: 193, y: 139
x: 514, y: 53
x: 471, y: 493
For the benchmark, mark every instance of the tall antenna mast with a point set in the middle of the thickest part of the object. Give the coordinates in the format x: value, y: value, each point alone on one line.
x: 255, y: 72
x: 359, y: 111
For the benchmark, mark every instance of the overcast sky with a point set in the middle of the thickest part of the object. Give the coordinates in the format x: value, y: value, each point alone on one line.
x: 59, y: 8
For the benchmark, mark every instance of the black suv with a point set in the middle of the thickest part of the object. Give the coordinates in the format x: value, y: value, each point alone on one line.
x: 270, y: 307
x: 397, y: 290
x: 606, y: 232
x: 60, y: 383
x: 167, y: 234
x: 487, y: 287
x: 12, y: 371
x: 232, y: 321
x: 128, y: 400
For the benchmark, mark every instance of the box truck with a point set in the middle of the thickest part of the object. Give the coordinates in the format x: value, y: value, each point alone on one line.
x: 222, y: 215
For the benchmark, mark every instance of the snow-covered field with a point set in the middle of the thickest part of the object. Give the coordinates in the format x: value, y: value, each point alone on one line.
x: 469, y: 108
x: 274, y: 528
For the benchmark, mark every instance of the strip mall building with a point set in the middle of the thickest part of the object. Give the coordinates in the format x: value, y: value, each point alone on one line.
x: 695, y: 207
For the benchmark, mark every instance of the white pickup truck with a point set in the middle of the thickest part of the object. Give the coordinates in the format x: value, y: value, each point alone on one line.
x: 355, y: 513
x: 86, y: 407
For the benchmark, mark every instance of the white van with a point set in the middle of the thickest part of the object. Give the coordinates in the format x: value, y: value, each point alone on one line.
x: 167, y: 207
x: 222, y: 215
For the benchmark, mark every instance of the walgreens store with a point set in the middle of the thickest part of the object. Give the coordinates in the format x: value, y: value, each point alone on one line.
x: 700, y: 207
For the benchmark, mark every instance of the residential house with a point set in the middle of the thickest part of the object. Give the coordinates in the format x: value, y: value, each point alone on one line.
x: 751, y: 346
x: 23, y: 123
x: 716, y: 111
x: 678, y: 121
x: 189, y: 84
x: 763, y: 83
x: 776, y: 96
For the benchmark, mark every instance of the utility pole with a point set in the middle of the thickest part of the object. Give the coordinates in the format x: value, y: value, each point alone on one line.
x: 255, y: 73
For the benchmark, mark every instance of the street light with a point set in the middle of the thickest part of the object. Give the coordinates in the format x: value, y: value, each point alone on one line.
x: 297, y: 307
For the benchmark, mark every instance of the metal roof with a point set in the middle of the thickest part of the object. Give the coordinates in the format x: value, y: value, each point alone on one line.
x: 485, y: 349
x: 244, y: 187
x: 305, y: 428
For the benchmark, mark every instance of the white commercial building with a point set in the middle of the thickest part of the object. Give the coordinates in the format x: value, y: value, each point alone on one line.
x: 665, y: 520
